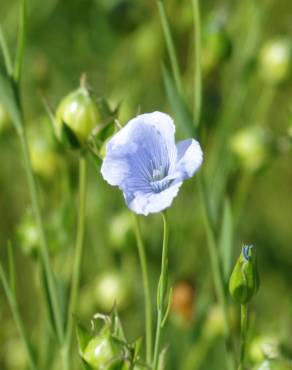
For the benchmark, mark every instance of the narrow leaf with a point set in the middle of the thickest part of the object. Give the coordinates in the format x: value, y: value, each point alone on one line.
x: 5, y: 52
x: 20, y: 42
x: 8, y: 98
x: 12, y: 276
x: 17, y: 318
x: 226, y: 239
x: 178, y: 105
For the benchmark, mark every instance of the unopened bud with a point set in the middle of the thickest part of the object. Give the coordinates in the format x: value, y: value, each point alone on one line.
x: 244, y: 280
x: 76, y: 117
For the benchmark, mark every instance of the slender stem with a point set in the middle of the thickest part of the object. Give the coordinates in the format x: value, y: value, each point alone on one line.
x: 243, y: 335
x: 161, y: 291
x: 18, y: 321
x: 147, y: 295
x: 170, y: 46
x: 217, y: 276
x: 78, y: 256
x: 43, y: 242
x: 197, y: 63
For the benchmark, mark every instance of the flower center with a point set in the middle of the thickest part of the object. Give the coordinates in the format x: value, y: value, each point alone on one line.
x: 158, y: 174
x: 159, y: 181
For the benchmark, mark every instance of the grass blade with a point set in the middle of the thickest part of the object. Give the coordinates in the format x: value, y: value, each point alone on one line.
x: 17, y: 318
x: 20, y: 42
x: 170, y: 46
x: 226, y: 239
x: 178, y: 105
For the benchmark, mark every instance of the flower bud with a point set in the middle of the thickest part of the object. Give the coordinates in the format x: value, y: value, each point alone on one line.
x: 244, y: 280
x: 275, y: 61
x: 104, y: 352
x: 76, y: 117
x: 108, y: 350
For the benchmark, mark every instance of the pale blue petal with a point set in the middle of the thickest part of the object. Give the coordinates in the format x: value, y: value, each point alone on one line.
x: 136, y: 153
x: 189, y: 158
x: 145, y: 203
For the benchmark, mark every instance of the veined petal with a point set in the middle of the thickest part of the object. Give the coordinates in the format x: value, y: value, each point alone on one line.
x: 140, y: 151
x: 145, y: 203
x: 189, y: 158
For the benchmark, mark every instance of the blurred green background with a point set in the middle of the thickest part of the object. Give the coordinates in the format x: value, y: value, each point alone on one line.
x: 246, y: 122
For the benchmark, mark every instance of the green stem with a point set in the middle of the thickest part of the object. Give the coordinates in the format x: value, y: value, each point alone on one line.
x: 147, y: 295
x: 43, y: 242
x: 77, y: 258
x: 243, y: 335
x: 217, y: 275
x: 170, y: 46
x: 161, y: 291
x: 197, y: 63
x: 18, y: 321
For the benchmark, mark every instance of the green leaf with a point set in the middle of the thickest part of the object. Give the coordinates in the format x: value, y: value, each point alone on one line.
x: 20, y: 42
x: 226, y: 239
x: 17, y: 318
x: 118, y: 330
x: 9, y: 98
x: 183, y: 115
x: 5, y: 52
x: 12, y: 275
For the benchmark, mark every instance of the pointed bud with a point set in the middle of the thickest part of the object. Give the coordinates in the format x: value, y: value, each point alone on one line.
x: 244, y: 280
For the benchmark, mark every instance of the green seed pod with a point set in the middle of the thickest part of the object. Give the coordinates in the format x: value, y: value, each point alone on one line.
x: 263, y: 347
x: 104, y: 352
x: 244, y: 280
x: 28, y: 235
x: 275, y: 61
x: 46, y: 161
x: 76, y: 117
x: 251, y: 146
x: 275, y: 364
x: 112, y: 288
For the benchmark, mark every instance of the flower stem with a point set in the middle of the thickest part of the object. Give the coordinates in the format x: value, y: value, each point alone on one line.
x: 43, y: 242
x: 197, y: 63
x: 147, y: 295
x: 18, y: 321
x: 161, y: 291
x: 243, y: 335
x: 217, y: 275
x: 170, y: 46
x: 78, y: 256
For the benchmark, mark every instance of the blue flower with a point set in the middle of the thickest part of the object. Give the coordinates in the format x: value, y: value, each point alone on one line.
x: 143, y: 160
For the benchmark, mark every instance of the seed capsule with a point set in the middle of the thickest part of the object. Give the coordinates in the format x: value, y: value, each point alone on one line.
x: 275, y: 61
x: 77, y: 115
